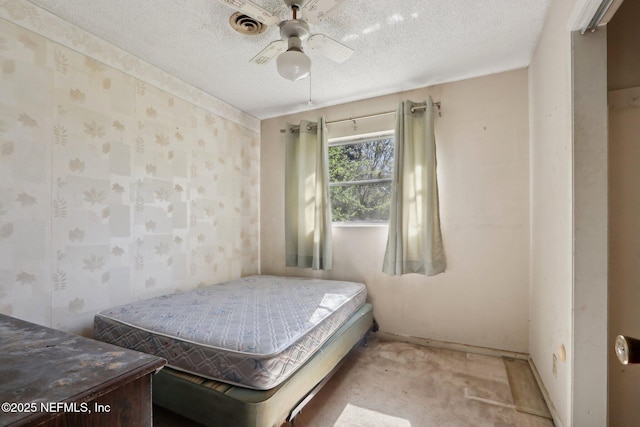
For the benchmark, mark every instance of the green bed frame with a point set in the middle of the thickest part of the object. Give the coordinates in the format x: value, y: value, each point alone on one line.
x: 217, y: 404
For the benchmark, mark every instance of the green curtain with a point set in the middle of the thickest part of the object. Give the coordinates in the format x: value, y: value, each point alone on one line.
x: 307, y: 204
x: 414, y: 244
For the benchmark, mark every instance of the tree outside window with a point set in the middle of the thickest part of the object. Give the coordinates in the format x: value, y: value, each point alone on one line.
x: 360, y: 178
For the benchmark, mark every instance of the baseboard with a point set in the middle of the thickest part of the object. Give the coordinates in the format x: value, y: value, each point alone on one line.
x: 486, y: 351
x: 545, y: 394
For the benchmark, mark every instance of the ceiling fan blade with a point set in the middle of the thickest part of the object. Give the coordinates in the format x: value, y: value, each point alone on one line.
x: 316, y: 10
x: 251, y: 9
x: 274, y: 49
x: 329, y: 47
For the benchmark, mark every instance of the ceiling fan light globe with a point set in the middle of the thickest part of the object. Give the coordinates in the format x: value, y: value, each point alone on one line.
x: 293, y: 65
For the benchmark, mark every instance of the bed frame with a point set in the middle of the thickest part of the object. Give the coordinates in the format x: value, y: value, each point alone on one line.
x: 217, y: 404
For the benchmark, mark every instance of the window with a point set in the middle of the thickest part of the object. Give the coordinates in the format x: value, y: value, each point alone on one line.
x: 360, y: 177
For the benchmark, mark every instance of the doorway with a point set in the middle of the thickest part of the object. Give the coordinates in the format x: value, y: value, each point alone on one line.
x: 623, y: 83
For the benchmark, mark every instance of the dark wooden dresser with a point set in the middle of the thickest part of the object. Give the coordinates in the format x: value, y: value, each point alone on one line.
x: 49, y: 377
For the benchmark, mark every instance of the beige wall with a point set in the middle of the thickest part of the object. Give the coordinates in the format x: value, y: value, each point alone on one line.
x: 117, y: 181
x: 482, y: 144
x: 551, y: 206
x: 624, y: 206
x: 568, y: 140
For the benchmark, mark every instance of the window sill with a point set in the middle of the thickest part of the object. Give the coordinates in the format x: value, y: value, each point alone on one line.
x: 359, y: 224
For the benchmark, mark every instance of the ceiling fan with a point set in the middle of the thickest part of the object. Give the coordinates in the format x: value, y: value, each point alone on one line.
x: 292, y: 63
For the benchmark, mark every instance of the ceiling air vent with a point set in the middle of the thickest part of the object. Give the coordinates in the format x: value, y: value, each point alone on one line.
x: 246, y: 25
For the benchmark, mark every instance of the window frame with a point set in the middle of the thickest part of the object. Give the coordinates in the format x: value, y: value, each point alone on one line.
x: 359, y: 139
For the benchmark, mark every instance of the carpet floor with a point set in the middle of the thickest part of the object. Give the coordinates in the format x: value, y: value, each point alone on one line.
x: 390, y: 383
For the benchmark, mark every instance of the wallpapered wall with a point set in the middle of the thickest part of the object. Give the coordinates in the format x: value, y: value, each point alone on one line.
x: 111, y: 189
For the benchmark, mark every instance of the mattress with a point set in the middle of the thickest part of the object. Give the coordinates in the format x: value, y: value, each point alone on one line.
x: 252, y: 332
x: 216, y: 404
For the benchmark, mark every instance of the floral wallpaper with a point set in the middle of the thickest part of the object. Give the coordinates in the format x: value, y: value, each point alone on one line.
x: 112, y: 189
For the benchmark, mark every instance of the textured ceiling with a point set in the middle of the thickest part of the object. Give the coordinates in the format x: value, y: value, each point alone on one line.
x: 399, y: 45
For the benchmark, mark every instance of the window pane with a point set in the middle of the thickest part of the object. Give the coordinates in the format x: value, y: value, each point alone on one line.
x: 361, y: 161
x: 360, y: 175
x: 361, y: 202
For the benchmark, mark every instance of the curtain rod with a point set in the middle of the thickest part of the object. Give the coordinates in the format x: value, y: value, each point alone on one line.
x: 415, y: 108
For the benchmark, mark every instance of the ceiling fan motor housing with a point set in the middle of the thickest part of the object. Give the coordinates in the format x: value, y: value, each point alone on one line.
x: 294, y: 28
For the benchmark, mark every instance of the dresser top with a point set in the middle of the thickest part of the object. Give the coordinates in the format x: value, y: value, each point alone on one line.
x: 40, y: 364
